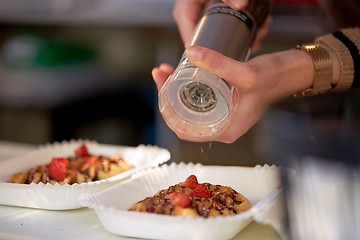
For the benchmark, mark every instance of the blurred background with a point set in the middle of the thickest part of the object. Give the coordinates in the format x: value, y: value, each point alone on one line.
x: 74, y: 69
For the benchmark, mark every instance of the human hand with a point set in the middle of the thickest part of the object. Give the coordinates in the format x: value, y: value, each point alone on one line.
x: 187, y: 14
x: 257, y: 84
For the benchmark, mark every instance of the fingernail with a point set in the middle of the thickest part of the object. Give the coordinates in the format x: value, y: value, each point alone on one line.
x: 195, y: 53
x: 237, y: 4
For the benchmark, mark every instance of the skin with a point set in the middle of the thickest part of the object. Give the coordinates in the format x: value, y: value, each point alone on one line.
x: 187, y: 14
x: 268, y: 78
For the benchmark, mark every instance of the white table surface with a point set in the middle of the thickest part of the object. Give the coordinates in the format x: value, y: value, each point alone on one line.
x: 31, y: 224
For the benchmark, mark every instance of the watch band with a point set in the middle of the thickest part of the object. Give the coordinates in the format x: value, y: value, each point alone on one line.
x: 322, y: 69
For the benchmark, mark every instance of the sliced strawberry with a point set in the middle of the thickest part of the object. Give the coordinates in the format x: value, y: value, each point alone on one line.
x: 82, y: 151
x: 92, y: 160
x: 179, y: 199
x: 190, y: 182
x: 57, y: 169
x: 201, y: 191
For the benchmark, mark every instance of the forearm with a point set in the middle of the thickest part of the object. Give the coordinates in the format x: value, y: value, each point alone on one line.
x: 299, y: 72
x: 281, y: 74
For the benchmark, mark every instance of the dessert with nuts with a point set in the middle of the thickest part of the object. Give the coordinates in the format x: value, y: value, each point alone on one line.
x: 191, y: 198
x: 82, y: 167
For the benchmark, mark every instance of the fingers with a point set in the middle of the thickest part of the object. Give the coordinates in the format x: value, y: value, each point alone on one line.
x: 187, y: 13
x: 166, y: 68
x: 236, y: 4
x: 161, y: 74
x: 214, y: 62
x: 262, y: 32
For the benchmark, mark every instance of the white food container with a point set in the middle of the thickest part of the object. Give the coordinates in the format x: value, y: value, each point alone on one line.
x: 259, y: 184
x: 63, y: 197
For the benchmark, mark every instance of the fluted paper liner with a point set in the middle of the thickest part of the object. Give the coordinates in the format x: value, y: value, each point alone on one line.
x: 62, y: 197
x: 258, y: 184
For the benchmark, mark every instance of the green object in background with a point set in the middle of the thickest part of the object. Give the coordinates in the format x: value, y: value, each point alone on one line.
x: 27, y: 51
x: 54, y: 54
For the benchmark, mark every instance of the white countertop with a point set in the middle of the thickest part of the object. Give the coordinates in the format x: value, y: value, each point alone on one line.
x: 31, y: 224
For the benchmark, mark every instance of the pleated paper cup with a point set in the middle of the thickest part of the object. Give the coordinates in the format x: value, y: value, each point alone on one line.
x: 63, y: 197
x: 259, y: 184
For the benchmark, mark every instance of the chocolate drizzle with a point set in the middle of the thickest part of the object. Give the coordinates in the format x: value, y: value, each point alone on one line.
x: 78, y: 171
x: 223, y: 201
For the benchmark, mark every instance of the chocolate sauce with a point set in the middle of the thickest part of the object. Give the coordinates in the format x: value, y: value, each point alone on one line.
x: 223, y: 200
x: 78, y: 171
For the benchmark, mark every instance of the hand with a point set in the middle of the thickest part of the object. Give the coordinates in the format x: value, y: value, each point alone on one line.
x: 187, y: 14
x: 253, y: 94
x: 258, y: 83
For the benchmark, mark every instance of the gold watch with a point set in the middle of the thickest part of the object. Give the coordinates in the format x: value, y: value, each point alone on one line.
x: 322, y: 69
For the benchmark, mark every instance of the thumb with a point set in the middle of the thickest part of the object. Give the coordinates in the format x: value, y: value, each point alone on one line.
x: 216, y: 63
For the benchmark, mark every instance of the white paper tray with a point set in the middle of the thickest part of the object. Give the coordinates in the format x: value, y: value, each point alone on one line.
x: 258, y: 184
x: 63, y: 197
x: 83, y: 224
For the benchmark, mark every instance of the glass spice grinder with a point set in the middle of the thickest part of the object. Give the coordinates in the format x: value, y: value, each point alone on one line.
x: 198, y: 103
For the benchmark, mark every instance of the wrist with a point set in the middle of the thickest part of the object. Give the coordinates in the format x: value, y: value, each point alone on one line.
x: 290, y: 70
x: 321, y: 68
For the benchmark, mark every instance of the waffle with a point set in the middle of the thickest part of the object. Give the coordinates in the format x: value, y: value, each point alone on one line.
x: 222, y: 201
x: 106, y: 167
x: 79, y: 170
x: 40, y: 174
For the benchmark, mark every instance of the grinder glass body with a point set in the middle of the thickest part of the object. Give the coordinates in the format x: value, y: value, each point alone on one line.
x: 198, y: 103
